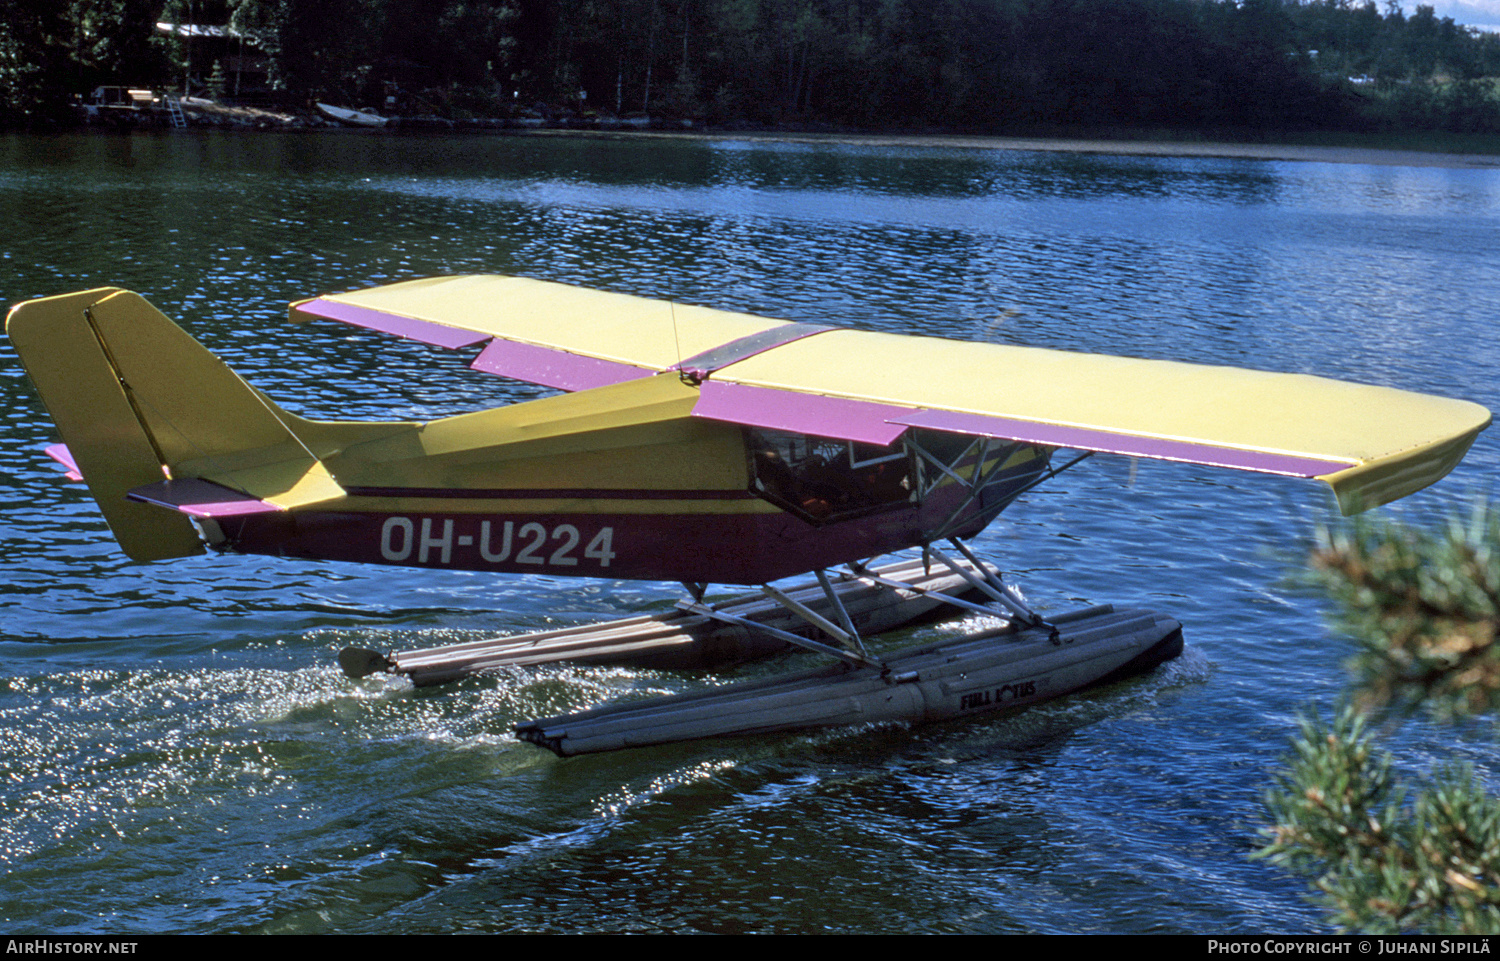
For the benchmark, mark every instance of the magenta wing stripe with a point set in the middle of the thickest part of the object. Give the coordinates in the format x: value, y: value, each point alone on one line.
x: 200, y: 498
x: 1081, y: 438
x: 553, y: 368
x: 814, y: 414
x: 426, y: 331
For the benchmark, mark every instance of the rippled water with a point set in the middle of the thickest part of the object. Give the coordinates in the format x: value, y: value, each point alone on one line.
x: 181, y: 753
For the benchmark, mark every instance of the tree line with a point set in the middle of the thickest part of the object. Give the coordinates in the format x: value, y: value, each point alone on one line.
x: 987, y: 65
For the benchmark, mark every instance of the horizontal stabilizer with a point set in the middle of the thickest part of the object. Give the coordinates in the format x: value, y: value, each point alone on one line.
x: 200, y: 498
x: 271, y: 488
x: 283, y: 477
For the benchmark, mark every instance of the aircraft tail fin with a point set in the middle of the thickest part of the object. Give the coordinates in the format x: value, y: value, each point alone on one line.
x: 138, y: 401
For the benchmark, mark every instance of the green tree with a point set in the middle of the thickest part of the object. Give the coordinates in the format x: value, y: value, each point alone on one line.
x: 1385, y: 856
x: 36, y: 69
x: 114, y: 41
x: 314, y: 46
x: 451, y: 42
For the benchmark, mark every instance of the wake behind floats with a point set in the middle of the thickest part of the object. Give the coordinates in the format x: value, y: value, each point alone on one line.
x: 775, y: 449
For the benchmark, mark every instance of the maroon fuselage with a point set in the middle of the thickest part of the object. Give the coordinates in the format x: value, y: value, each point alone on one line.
x: 731, y: 537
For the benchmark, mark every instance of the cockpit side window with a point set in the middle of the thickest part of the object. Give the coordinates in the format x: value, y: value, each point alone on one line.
x: 823, y: 480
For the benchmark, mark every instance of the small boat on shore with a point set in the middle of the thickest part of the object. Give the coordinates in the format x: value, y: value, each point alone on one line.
x: 350, y: 117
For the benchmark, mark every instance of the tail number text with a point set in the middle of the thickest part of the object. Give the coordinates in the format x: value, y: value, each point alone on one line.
x: 434, y: 541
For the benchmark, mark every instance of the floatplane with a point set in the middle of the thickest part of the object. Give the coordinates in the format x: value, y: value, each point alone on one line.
x: 704, y: 447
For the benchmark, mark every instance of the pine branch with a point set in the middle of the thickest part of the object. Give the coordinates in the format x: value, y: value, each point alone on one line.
x: 1383, y: 857
x: 1425, y: 609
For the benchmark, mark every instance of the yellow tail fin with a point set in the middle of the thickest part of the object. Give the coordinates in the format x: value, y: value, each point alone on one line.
x: 137, y: 400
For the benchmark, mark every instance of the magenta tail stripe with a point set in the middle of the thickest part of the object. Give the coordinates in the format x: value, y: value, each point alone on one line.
x: 201, y: 498
x: 61, y: 454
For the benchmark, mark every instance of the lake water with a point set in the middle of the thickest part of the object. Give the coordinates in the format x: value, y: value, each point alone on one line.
x: 180, y: 752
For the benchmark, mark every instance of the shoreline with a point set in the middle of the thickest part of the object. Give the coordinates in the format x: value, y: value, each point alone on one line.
x: 1302, y: 153
x: 1162, y: 144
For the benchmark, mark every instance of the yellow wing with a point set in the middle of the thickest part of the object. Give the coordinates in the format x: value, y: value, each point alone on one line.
x: 546, y: 333
x: 1370, y: 444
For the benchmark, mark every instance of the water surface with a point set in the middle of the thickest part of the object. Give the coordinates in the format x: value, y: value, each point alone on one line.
x: 183, y: 755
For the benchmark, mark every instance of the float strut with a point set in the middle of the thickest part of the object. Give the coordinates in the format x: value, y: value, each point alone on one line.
x: 860, y: 570
x: 851, y: 657
x: 853, y: 650
x: 838, y: 607
x: 989, y: 584
x: 847, y: 638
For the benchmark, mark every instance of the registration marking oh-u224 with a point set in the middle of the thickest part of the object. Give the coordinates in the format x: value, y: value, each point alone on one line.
x: 435, y: 540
